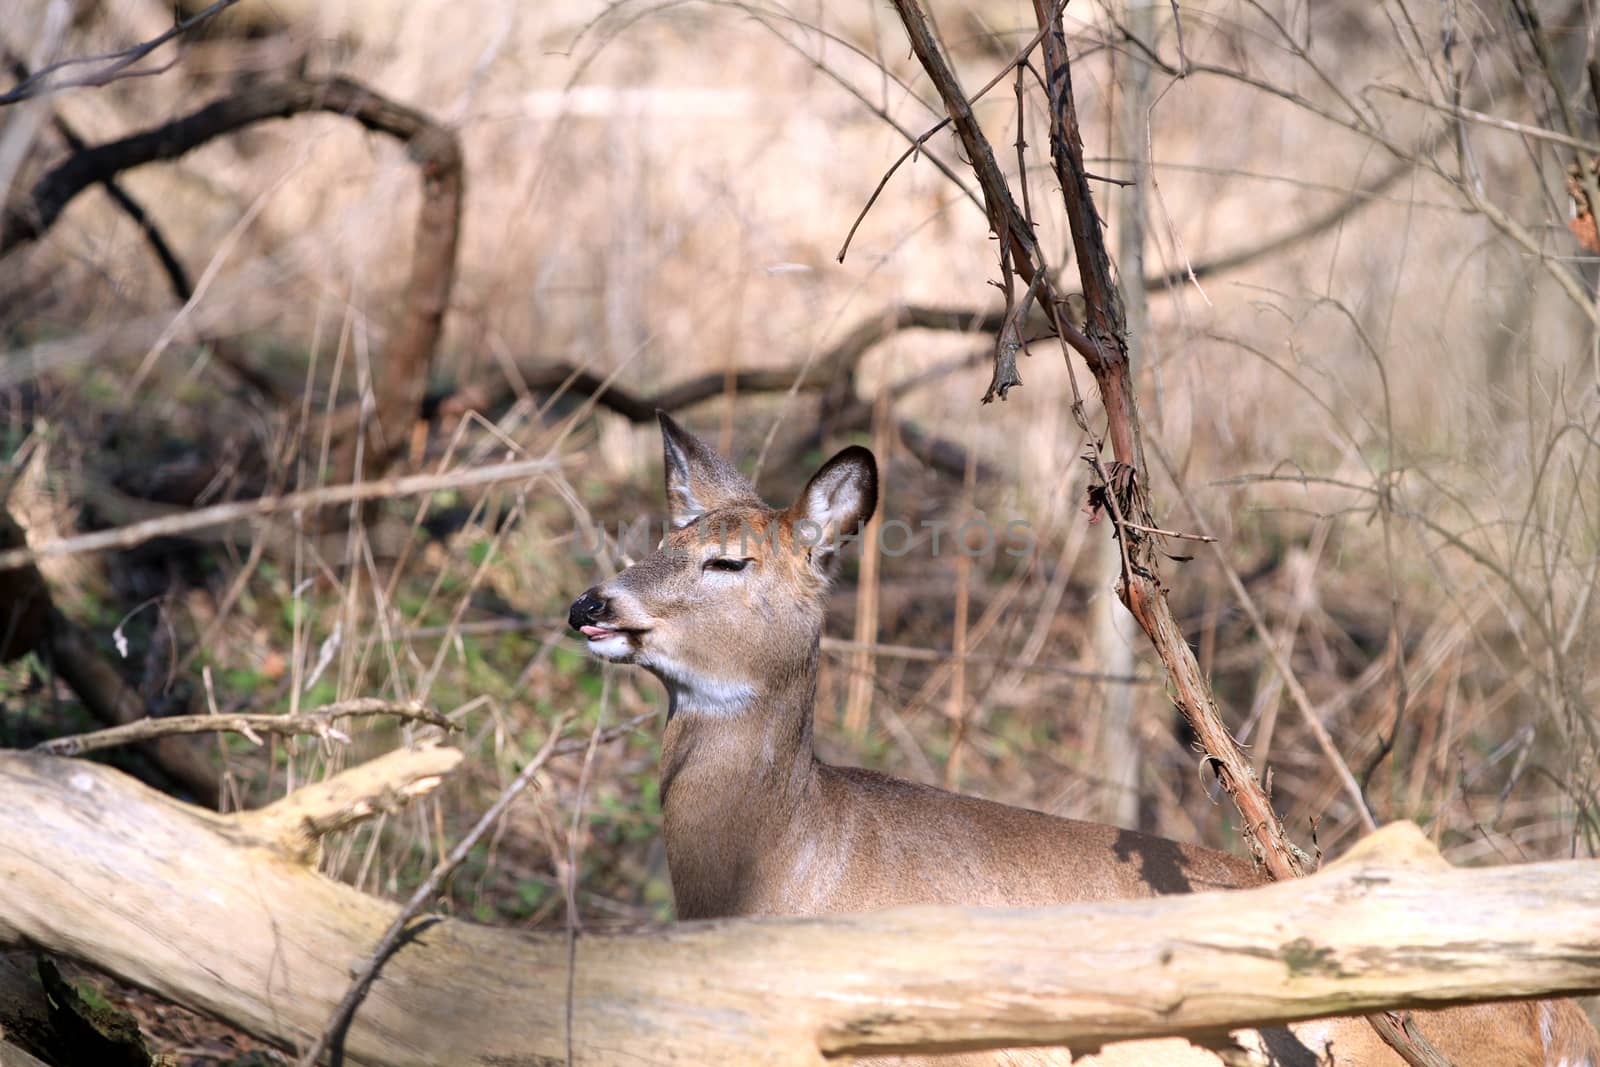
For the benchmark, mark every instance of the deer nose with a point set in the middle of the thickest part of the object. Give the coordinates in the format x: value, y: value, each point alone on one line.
x: 587, y: 609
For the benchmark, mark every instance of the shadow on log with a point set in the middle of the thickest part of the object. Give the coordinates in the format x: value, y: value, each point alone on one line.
x: 225, y: 914
x: 43, y: 1012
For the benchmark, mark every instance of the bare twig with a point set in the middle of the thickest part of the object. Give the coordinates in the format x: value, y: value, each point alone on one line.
x: 1203, y: 538
x: 367, y: 972
x: 114, y: 64
x: 833, y: 369
x: 1468, y: 189
x: 71, y: 652
x: 1290, y: 238
x: 304, y: 500
x: 1538, y: 133
x: 515, y: 624
x: 1019, y: 250
x: 1280, y: 662
x: 820, y: 373
x: 1016, y: 63
x: 1121, y: 487
x: 935, y: 655
x: 317, y: 722
x: 606, y: 736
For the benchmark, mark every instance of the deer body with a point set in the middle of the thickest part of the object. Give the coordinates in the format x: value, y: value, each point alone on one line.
x: 785, y: 834
x: 728, y: 613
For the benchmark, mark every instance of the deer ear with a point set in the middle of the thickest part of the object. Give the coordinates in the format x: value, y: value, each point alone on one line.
x: 698, y: 480
x: 836, y: 503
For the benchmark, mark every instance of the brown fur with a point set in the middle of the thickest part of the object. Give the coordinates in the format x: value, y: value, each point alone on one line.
x: 755, y: 824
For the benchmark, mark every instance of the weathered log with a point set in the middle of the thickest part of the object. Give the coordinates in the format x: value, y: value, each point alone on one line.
x: 222, y: 914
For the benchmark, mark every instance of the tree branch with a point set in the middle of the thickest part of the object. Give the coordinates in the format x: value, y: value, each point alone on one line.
x: 30, y: 622
x: 304, y: 500
x: 318, y: 723
x: 399, y: 388
x: 115, y: 64
x: 1122, y: 487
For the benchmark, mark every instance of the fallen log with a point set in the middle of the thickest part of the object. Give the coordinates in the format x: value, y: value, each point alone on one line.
x: 225, y: 914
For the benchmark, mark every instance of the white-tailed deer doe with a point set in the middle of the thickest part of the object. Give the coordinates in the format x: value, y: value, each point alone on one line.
x: 728, y: 613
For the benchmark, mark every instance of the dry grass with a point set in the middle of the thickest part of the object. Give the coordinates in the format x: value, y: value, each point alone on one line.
x: 1393, y: 426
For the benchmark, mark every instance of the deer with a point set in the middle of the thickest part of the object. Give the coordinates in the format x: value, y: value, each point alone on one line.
x: 728, y: 613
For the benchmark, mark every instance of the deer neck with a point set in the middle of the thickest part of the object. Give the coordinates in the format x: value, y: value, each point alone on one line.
x: 734, y: 778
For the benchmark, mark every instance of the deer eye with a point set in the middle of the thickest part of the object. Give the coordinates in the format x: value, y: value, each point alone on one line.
x: 726, y: 563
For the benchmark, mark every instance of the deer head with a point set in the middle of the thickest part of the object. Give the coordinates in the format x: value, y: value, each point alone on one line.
x: 732, y: 599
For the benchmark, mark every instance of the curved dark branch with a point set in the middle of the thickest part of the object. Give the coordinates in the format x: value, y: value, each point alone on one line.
x: 832, y: 372
x: 435, y: 149
x: 52, y: 193
x: 172, y: 267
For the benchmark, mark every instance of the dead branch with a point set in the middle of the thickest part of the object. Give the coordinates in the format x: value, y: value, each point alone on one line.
x: 916, y: 146
x: 176, y: 275
x: 1122, y: 487
x: 1141, y: 588
x: 303, y: 500
x: 835, y: 366
x: 1102, y: 343
x: 223, y: 914
x: 30, y: 622
x: 1522, y: 129
x: 1311, y: 228
x: 225, y: 351
x: 71, y: 652
x: 398, y: 390
x: 611, y: 733
x: 833, y: 372
x: 939, y: 655
x: 114, y: 65
x: 296, y: 824
x: 318, y: 722
x: 1466, y: 187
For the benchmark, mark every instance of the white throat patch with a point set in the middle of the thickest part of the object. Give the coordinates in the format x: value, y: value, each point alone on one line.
x: 695, y: 694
